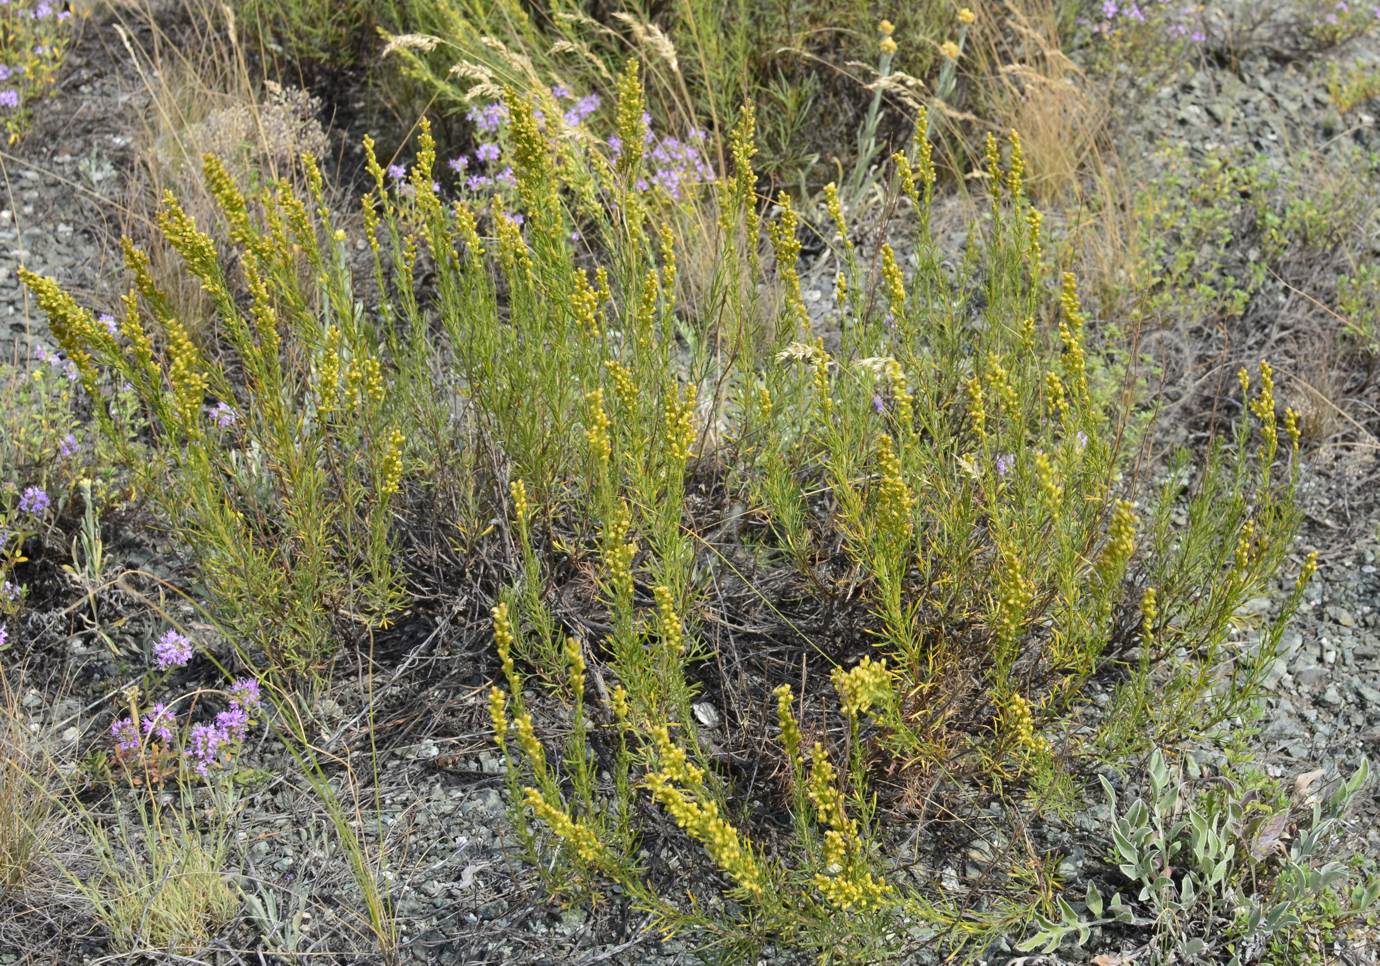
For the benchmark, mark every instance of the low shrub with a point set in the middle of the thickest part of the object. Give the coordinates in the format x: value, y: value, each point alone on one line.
x: 912, y: 510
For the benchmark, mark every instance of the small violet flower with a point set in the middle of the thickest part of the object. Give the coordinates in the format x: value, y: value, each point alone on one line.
x: 172, y: 650
x: 35, y: 501
x: 1004, y: 464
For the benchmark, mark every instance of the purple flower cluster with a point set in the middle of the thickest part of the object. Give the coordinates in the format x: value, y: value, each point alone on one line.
x: 69, y: 446
x: 34, y: 501
x: 581, y: 110
x: 677, y: 163
x: 4, y: 636
x: 172, y: 650
x: 207, y: 743
x: 488, y: 118
x: 223, y: 415
x: 210, y: 742
x: 1177, y: 20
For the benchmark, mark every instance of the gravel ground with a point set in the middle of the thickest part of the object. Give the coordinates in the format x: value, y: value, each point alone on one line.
x: 463, y: 898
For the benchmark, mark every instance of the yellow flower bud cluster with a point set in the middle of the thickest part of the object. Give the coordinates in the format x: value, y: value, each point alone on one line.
x: 999, y: 385
x: 846, y: 882
x: 867, y: 685
x: 1071, y: 335
x: 790, y: 727
x: 966, y: 16
x: 669, y: 626
x: 628, y: 119
x: 584, y: 304
x: 834, y: 206
x: 579, y: 837
x: 503, y: 640
x: 1019, y: 725
x: 575, y: 658
x: 623, y: 386
x: 527, y: 741
x: 692, y: 810
x: 1245, y: 544
x: 1310, y: 567
x: 597, y: 428
x: 924, y: 149
x: 1263, y: 408
x: 895, y: 502
x: 1035, y: 219
x: 820, y: 361
x: 521, y: 508
x: 1014, y: 594
x: 679, y: 419
x: 1056, y: 399
x: 1050, y: 490
x: 392, y: 468
x: 903, y: 401
x: 1149, y: 614
x: 786, y: 246
x: 894, y: 282
x: 1121, y: 542
x: 1015, y: 168
x: 328, y: 383
x: 949, y: 49
x: 619, y: 553
x: 1291, y: 426
x: 498, y: 714
x: 977, y: 409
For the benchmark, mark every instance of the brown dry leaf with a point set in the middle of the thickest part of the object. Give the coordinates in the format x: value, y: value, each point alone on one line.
x: 1306, y: 787
x: 1269, y: 837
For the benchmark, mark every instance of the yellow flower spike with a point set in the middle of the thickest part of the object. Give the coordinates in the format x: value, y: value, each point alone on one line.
x: 867, y: 685
x: 901, y: 396
x: 820, y: 362
x: 907, y: 176
x: 925, y: 150
x: 966, y: 16
x: 1121, y: 542
x: 841, y: 290
x: 521, y: 508
x: 894, y: 282
x: 527, y: 741
x: 1149, y: 613
x: 628, y: 118
x: 503, y: 638
x: 1056, y: 399
x: 977, y: 410
x: 1034, y: 219
x: 1015, y: 170
x: 886, y: 28
x: 834, y: 206
x: 887, y: 46
x: 1310, y: 567
x: 669, y: 625
x: 498, y: 714
x: 1050, y: 489
x: 1244, y: 378
x: 786, y: 721
x: 949, y: 49
x: 575, y: 657
x: 895, y: 502
x: 619, y: 701
x: 1014, y: 594
x: 597, y: 431
x: 1291, y: 426
x: 393, y: 463
x: 580, y: 837
x: 619, y: 552
x: 623, y: 386
x: 679, y: 427
x: 1244, y: 543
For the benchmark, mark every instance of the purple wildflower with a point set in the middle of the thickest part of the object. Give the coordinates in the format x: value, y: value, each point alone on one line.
x: 1004, y: 463
x: 560, y: 92
x: 878, y: 404
x: 125, y: 733
x: 172, y: 650
x: 459, y: 164
x: 397, y: 172
x: 204, y: 743
x: 506, y: 178
x: 233, y: 723
x: 245, y: 693
x: 487, y: 152
x: 223, y: 414
x: 9, y: 98
x: 34, y: 500
x: 68, y: 446
x: 489, y: 118
x: 109, y: 322
x: 476, y: 181
x: 1082, y: 439
x: 4, y: 636
x: 157, y: 723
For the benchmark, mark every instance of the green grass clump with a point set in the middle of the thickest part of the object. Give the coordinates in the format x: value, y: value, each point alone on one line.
x: 658, y: 435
